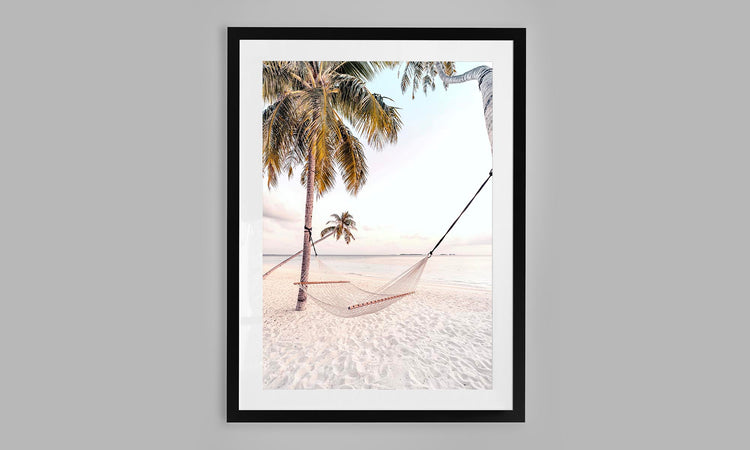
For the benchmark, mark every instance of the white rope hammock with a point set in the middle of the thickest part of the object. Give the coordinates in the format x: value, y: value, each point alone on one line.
x: 344, y: 299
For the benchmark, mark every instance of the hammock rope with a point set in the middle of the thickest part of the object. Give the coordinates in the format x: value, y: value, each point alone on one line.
x: 462, y: 213
x: 344, y: 299
x: 312, y: 242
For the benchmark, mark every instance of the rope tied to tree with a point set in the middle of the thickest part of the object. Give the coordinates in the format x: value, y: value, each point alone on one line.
x: 309, y: 230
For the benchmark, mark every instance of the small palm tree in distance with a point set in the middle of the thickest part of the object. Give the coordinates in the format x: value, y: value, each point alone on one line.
x: 341, y: 225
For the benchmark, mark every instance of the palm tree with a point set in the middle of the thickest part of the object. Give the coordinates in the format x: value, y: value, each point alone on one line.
x: 422, y: 73
x: 314, y: 109
x: 343, y: 225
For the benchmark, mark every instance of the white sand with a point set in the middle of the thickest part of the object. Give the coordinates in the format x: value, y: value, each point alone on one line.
x: 438, y: 338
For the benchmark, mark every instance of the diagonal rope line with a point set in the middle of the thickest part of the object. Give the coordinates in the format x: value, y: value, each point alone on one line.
x: 462, y: 213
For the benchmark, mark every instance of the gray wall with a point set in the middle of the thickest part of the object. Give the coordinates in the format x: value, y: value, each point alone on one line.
x: 112, y: 188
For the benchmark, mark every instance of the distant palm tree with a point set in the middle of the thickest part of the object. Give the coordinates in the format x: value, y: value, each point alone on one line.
x: 343, y: 225
x: 312, y: 108
x: 422, y: 73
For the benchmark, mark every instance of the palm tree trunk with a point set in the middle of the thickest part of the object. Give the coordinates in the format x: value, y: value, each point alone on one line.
x: 292, y: 257
x: 305, y: 271
x: 483, y: 75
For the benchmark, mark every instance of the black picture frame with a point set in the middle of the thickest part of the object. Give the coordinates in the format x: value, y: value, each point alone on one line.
x: 518, y: 38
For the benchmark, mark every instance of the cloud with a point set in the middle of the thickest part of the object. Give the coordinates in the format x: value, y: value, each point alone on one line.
x: 481, y: 239
x: 277, y: 211
x: 271, y: 225
x: 413, y: 237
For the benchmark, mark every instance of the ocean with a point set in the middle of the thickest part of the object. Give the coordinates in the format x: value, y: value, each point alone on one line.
x: 452, y: 270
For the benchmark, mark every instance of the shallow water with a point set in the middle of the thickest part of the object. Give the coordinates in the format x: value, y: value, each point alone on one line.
x: 454, y: 270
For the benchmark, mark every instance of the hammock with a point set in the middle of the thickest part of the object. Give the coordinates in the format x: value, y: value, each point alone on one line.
x: 344, y: 299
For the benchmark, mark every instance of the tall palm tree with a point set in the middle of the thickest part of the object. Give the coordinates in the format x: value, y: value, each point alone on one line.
x: 314, y: 109
x: 342, y: 225
x: 423, y: 73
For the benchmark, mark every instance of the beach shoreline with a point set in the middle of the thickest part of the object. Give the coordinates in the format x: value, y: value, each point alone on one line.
x: 438, y: 338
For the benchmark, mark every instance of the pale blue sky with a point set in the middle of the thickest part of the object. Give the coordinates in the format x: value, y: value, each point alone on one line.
x: 415, y: 188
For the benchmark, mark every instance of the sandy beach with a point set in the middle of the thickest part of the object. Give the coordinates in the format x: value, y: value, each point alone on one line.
x: 438, y: 338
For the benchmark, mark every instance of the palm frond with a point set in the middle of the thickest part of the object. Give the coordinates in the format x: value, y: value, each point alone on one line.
x: 279, y: 125
x: 421, y: 74
x: 428, y: 81
x: 297, y: 155
x: 449, y: 67
x: 406, y: 77
x: 351, y: 160
x: 325, y: 176
x: 326, y: 231
x: 368, y: 112
x: 348, y: 220
x: 317, y: 113
x: 364, y: 70
x: 279, y: 78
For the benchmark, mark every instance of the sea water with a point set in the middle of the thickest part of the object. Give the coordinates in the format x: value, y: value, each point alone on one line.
x: 474, y: 271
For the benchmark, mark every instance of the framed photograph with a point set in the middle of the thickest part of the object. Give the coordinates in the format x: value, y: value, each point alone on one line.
x: 376, y: 224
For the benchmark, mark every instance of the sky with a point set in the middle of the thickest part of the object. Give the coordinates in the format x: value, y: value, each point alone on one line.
x: 415, y: 188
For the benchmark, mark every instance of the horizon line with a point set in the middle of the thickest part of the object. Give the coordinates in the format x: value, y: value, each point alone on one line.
x: 384, y: 254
